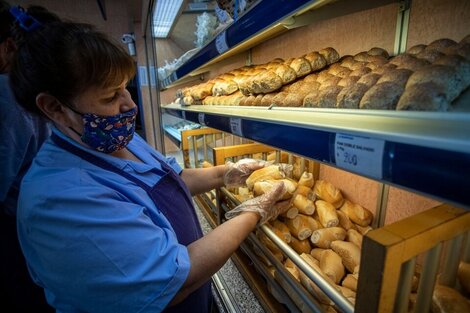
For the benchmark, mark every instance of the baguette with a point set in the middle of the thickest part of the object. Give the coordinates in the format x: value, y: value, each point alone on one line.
x: 292, y: 268
x: 306, y: 179
x: 284, y: 232
x: 263, y: 186
x: 354, y: 237
x: 363, y: 230
x: 324, y: 237
x: 317, y: 253
x: 265, y: 173
x: 331, y: 264
x: 350, y: 281
x: 310, y: 285
x: 290, y: 213
x: 349, y: 253
x: 344, y: 220
x: 306, y: 192
x: 268, y: 243
x: 326, y: 213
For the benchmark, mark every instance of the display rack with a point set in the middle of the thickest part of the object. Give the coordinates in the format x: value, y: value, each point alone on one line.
x: 265, y: 20
x: 425, y: 152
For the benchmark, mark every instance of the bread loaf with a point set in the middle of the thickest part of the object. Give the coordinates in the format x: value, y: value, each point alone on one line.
x: 349, y: 253
x: 347, y: 293
x: 258, y: 99
x: 300, y: 246
x: 408, y: 61
x: 324, y: 76
x: 459, y: 64
x: 260, y: 187
x: 430, y: 55
x: 350, y: 97
x: 326, y: 191
x: 397, y: 76
x: 306, y: 179
x: 270, y: 172
x: 378, y: 51
x: 310, y: 78
x: 341, y: 71
x: 462, y: 49
x: 441, y: 44
x: 361, y: 71
x: 311, y: 286
x: 369, y: 79
x: 224, y: 87
x: 424, y: 97
x: 361, y: 57
x: 264, y: 82
x: 330, y: 82
x: 326, y: 213
x: 311, y: 99
x: 267, y: 99
x: 293, y: 100
x: 292, y: 268
x: 384, y: 69
x: 356, y: 213
x: 306, y: 192
x: 323, y: 237
x: 331, y: 264
x: 300, y: 227
x: 300, y: 66
x: 285, y: 72
x: 416, y: 49
x: 327, y: 97
x: 348, y: 81
x: 317, y: 253
x: 383, y: 96
x: 344, y: 220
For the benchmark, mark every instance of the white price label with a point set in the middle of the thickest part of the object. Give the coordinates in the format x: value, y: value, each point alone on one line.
x: 200, y: 118
x: 236, y: 126
x: 360, y: 154
x: 183, y: 115
x: 221, y: 42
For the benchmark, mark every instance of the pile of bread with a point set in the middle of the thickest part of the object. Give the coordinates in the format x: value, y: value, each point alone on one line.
x: 327, y: 230
x: 426, y: 77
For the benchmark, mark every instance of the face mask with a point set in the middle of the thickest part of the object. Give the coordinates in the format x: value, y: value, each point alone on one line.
x: 107, y: 133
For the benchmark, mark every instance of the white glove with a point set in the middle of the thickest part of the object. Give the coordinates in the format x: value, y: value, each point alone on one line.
x: 265, y: 205
x: 237, y: 173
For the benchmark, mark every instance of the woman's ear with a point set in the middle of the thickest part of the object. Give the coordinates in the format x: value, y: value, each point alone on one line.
x: 53, y: 109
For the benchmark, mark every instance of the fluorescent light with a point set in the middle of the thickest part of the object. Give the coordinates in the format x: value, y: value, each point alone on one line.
x: 164, y: 16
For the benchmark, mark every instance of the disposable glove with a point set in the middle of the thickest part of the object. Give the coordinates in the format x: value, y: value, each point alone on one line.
x: 265, y: 205
x: 237, y: 173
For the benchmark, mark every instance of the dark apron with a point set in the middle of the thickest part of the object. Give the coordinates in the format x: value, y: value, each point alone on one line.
x: 172, y: 197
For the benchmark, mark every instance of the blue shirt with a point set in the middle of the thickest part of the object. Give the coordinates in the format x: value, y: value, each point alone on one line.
x: 87, y: 238
x: 21, y: 136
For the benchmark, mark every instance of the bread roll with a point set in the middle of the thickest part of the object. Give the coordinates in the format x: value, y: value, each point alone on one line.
x: 430, y: 55
x: 354, y: 237
x: 260, y: 187
x: 361, y: 71
x: 306, y: 192
x: 361, y: 56
x: 383, y: 96
x: 349, y: 253
x: 346, y: 61
x: 441, y: 44
x: 317, y: 61
x: 347, y: 293
x: 326, y: 191
x: 350, y: 97
x: 462, y: 49
x: 306, y: 179
x: 344, y: 220
x: 369, y: 79
x: 424, y: 97
x: 293, y: 100
x: 448, y: 300
x: 292, y: 268
x: 283, y: 229
x: 348, y: 81
x: 311, y: 100
x: 264, y: 82
x: 378, y: 60
x: 310, y: 78
x: 224, y: 87
x: 310, y: 285
x: 304, y: 205
x: 459, y: 64
x: 300, y: 226
x: 416, y: 49
x: 331, y: 264
x: 398, y: 76
x: 317, y: 253
x: 324, y: 76
x: 384, y: 69
x: 356, y: 213
x: 330, y: 55
x: 327, y: 97
x: 464, y: 275
x: 350, y: 281
x: 270, y: 172
x: 378, y: 51
x: 323, y: 237
x: 363, y: 230
x: 301, y: 66
x: 285, y: 72
x: 290, y: 213
x: 326, y: 213
x: 330, y: 82
x: 357, y: 65
x: 300, y: 246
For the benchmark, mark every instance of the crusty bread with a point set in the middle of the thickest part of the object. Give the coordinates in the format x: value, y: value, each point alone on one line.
x: 310, y: 78
x: 349, y: 253
x: 324, y: 237
x: 459, y: 63
x: 424, y: 97
x: 331, y: 264
x: 332, y: 81
x: 398, y: 76
x: 326, y: 213
x: 357, y: 64
x: 311, y: 99
x: 369, y: 79
x: 444, y: 76
x: 317, y: 61
x: 323, y: 76
x: 429, y: 55
x: 348, y: 81
x: 384, y: 68
x: 325, y: 190
x: 361, y: 57
x: 378, y: 51
x: 462, y: 49
x: 448, y: 300
x: 441, y: 44
x: 301, y: 66
x: 416, y: 49
x: 357, y: 213
x: 350, y: 96
x: 383, y: 96
x: 268, y: 98
x: 360, y: 71
x: 327, y: 96
x: 331, y: 55
x: 408, y: 61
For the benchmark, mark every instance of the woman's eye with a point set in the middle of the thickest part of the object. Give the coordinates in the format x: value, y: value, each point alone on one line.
x: 114, y: 97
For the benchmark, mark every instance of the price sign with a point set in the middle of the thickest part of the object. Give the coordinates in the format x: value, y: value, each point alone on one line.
x: 236, y: 126
x: 221, y: 42
x: 200, y: 118
x: 360, y: 154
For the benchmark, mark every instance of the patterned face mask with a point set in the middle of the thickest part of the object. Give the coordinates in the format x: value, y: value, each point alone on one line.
x: 107, y: 133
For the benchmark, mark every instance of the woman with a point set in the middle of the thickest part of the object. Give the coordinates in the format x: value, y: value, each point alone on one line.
x: 105, y: 221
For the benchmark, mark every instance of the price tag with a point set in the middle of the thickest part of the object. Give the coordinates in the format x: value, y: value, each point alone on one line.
x: 236, y: 126
x: 200, y: 118
x: 360, y: 154
x: 183, y: 115
x: 221, y: 42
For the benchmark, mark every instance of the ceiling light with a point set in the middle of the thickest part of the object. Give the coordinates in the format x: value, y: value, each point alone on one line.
x: 164, y: 16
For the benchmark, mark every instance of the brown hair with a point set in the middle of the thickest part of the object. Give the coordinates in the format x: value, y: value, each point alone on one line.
x: 65, y: 59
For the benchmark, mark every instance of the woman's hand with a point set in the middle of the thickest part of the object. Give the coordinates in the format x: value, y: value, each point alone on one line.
x: 237, y: 173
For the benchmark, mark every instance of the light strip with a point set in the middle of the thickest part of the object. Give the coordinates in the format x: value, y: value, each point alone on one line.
x: 164, y: 16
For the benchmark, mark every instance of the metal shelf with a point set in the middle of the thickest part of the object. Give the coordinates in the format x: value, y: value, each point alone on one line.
x: 425, y: 152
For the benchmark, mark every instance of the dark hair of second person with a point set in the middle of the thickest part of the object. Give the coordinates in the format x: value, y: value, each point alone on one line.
x: 86, y: 58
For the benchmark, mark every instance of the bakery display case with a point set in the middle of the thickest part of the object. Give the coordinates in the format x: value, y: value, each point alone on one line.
x: 408, y: 168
